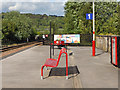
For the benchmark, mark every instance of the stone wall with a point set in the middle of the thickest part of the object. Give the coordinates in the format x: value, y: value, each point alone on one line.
x: 103, y: 42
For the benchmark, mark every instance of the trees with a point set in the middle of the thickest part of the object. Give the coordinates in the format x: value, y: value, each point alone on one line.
x: 17, y: 27
x: 75, y: 17
x: 42, y: 22
x: 118, y: 9
x: 106, y: 17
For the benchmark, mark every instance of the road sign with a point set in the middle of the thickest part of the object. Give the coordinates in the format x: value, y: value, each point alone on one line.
x: 89, y: 16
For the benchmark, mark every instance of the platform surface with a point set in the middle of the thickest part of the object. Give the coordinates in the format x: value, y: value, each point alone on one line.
x: 95, y: 72
x: 22, y: 70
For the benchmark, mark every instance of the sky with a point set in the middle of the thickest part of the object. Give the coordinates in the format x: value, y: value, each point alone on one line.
x: 49, y: 7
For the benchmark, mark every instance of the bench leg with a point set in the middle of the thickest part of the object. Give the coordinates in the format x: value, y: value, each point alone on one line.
x: 42, y: 72
x: 66, y: 66
x: 66, y: 77
x: 66, y: 72
x: 41, y: 77
x: 46, y: 68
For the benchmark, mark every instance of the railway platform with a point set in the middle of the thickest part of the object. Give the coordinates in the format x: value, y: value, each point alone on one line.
x: 22, y: 70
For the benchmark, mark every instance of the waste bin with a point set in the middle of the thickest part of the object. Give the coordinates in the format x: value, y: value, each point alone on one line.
x: 115, y: 50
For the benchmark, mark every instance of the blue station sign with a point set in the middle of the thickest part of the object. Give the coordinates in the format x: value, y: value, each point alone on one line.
x: 89, y: 16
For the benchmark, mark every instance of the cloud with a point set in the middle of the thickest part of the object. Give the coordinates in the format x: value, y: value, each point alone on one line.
x: 0, y: 6
x: 22, y: 6
x: 16, y: 7
x: 49, y: 8
x: 34, y: 0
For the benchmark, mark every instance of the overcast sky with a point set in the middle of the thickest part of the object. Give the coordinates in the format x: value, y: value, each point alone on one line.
x: 49, y: 7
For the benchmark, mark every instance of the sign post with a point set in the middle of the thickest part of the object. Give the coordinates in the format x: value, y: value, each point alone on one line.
x: 93, y: 42
x: 91, y: 16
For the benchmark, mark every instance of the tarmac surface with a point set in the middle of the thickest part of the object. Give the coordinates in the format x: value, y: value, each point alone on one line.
x: 95, y: 72
x: 22, y: 70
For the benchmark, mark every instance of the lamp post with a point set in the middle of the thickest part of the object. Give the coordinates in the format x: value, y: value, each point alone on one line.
x: 50, y: 40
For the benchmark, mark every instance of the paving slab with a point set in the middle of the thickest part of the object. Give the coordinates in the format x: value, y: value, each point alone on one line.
x: 95, y: 72
x: 22, y: 70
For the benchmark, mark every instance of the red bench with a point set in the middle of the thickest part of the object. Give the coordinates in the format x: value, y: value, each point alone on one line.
x: 59, y: 44
x: 54, y: 62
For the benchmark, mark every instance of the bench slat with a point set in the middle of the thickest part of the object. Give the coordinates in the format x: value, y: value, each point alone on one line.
x: 51, y: 62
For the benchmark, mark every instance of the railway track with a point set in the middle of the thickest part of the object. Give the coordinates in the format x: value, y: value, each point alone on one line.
x: 11, y: 50
x: 3, y: 49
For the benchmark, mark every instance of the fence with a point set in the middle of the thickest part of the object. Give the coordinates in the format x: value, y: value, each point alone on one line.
x: 86, y: 39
